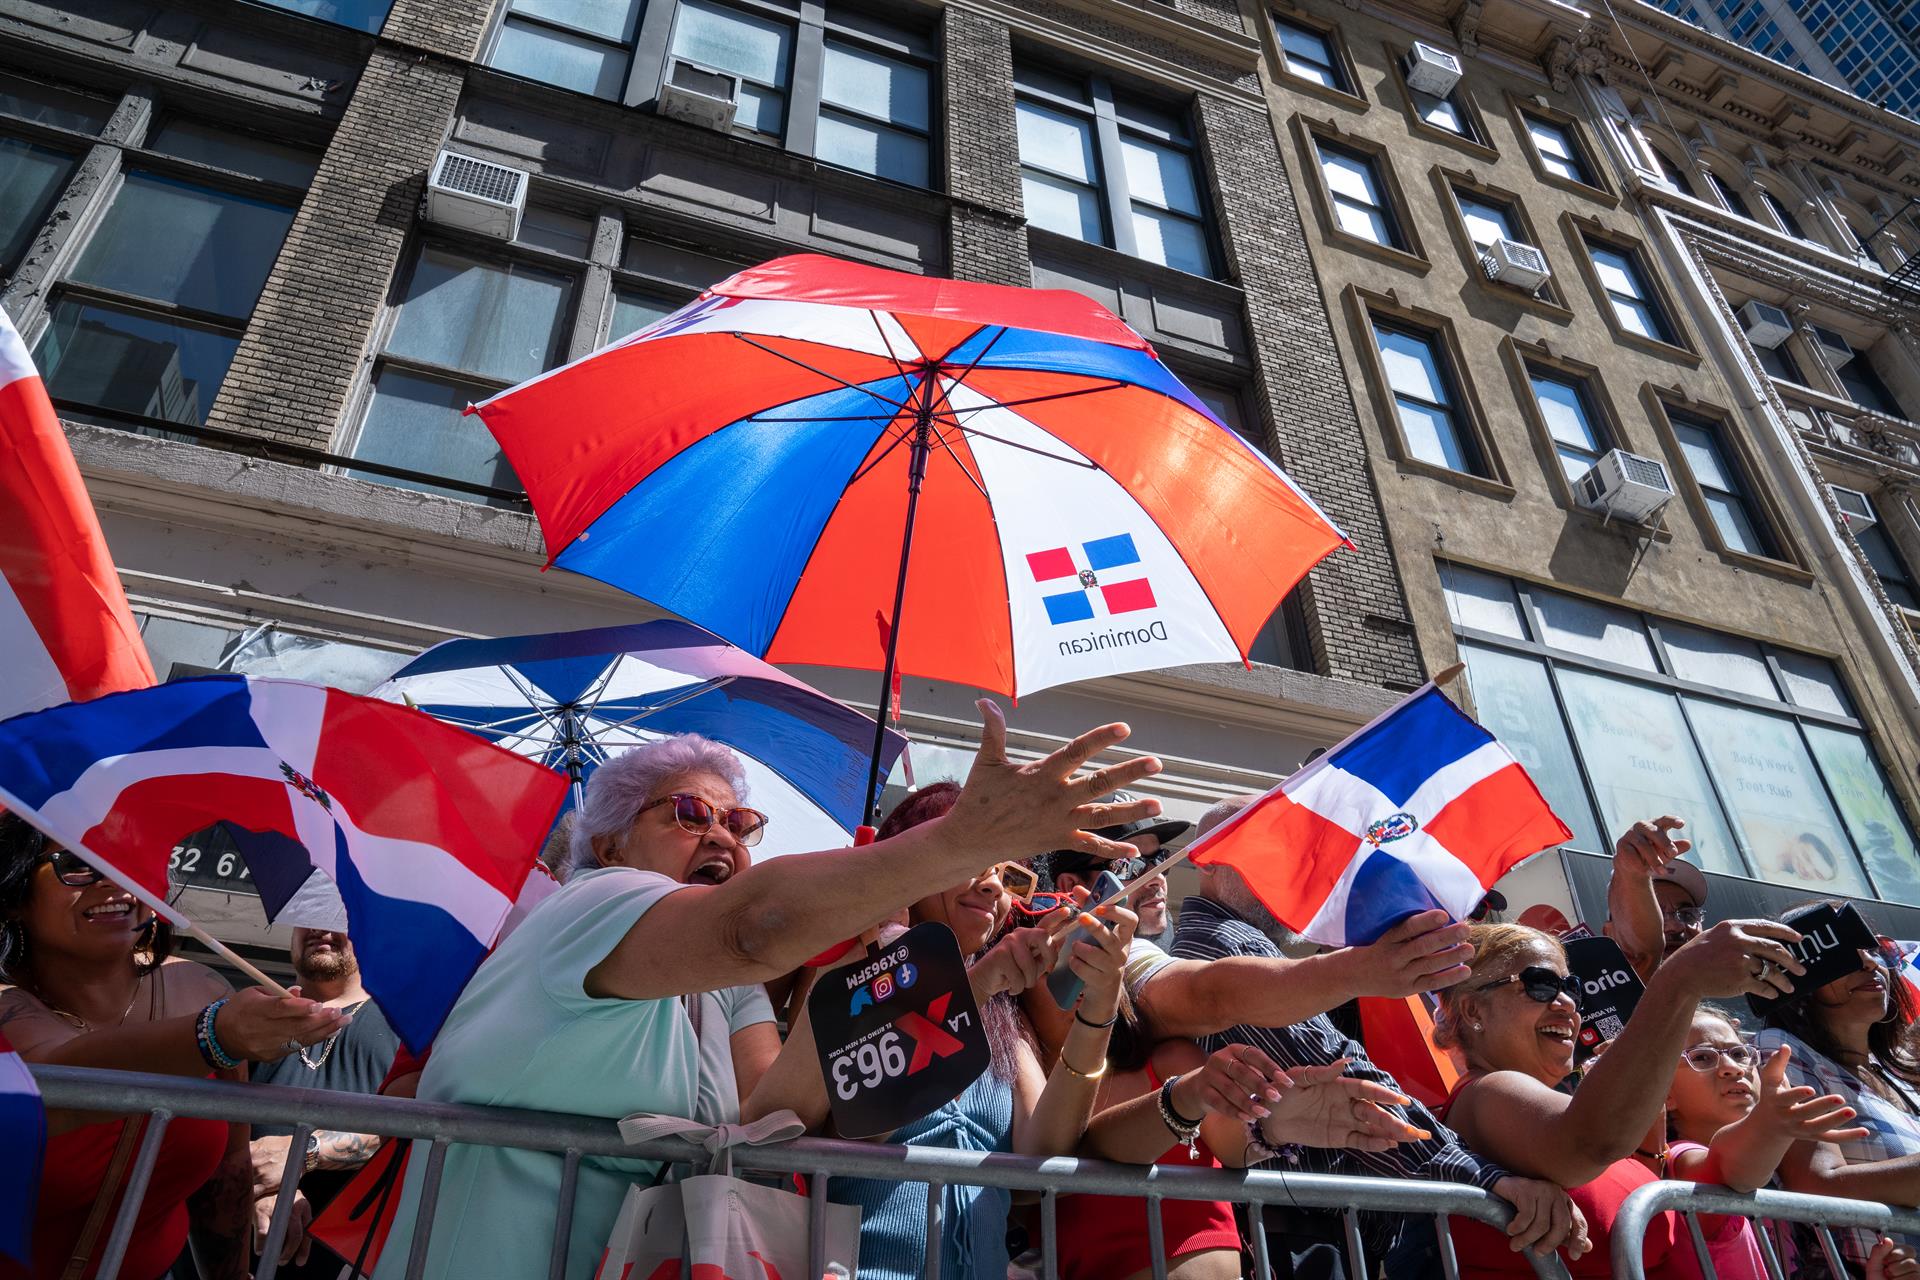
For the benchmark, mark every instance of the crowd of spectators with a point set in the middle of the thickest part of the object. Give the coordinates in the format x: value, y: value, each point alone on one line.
x: 666, y: 976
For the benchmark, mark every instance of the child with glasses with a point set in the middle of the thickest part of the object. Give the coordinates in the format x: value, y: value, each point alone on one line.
x: 1732, y: 1117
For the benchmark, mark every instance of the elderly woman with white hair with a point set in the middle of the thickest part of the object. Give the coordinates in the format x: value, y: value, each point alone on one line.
x: 635, y: 987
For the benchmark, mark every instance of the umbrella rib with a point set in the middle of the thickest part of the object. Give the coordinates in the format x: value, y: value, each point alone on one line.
x: 887, y: 342
x: 1057, y: 395
x: 972, y: 365
x: 831, y: 377
x: 710, y: 686
x: 1015, y: 444
x: 898, y: 440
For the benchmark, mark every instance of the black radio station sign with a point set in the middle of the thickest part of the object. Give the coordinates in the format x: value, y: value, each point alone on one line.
x: 209, y: 859
x: 1610, y: 991
x: 898, y: 1032
x: 1830, y: 945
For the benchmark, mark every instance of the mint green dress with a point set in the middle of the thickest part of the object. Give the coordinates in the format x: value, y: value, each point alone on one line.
x: 526, y: 1034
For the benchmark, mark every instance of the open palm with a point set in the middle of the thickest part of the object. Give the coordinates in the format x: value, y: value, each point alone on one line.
x: 1325, y: 1108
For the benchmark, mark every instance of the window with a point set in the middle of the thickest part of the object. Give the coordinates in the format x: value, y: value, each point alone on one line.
x: 1360, y: 205
x: 151, y: 334
x: 1626, y: 287
x: 1779, y: 363
x: 1888, y: 565
x: 634, y: 310
x: 35, y: 169
x: 1618, y: 715
x: 1487, y: 219
x: 1722, y: 485
x: 875, y: 113
x: 1672, y: 172
x: 758, y: 50
x: 52, y: 106
x: 1865, y: 388
x: 583, y: 45
x: 362, y: 15
x: 465, y: 328
x: 1558, y: 150
x: 1138, y: 192
x: 1728, y: 196
x: 1310, y: 55
x: 1566, y: 408
x: 1425, y: 404
x: 1781, y: 214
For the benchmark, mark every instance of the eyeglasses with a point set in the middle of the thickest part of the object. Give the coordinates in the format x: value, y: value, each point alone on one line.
x: 1685, y: 917
x: 71, y: 869
x: 1543, y: 984
x: 1706, y: 1057
x: 1040, y: 903
x: 1016, y: 878
x: 697, y: 816
x: 1134, y: 868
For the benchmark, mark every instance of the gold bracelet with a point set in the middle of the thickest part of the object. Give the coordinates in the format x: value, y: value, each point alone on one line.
x: 1084, y: 1075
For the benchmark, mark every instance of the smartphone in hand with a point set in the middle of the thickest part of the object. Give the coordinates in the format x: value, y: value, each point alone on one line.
x: 1063, y: 983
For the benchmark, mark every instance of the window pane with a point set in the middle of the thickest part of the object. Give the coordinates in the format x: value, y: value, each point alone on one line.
x: 355, y: 668
x: 1564, y: 409
x: 1349, y: 176
x: 547, y: 228
x: 1063, y: 207
x: 1642, y: 762
x: 1813, y: 683
x: 1737, y: 526
x: 31, y: 179
x: 1778, y: 362
x: 1865, y: 388
x: 1556, y: 150
x: 1888, y: 565
x: 1171, y: 240
x: 1616, y: 273
x: 1056, y: 141
x: 611, y: 19
x: 225, y: 149
x: 1165, y: 125
x: 871, y: 148
x: 1789, y: 828
x: 1725, y: 662
x: 1513, y: 698
x: 1362, y: 220
x: 136, y: 364
x: 572, y: 62
x: 761, y: 109
x: 1481, y: 601
x: 1309, y: 55
x: 1441, y: 113
x: 874, y: 85
x: 496, y: 320
x: 1431, y: 436
x: 1160, y: 175
x: 1596, y: 630
x: 219, y: 247
x: 1789, y: 223
x: 1485, y: 221
x: 1412, y: 367
x: 48, y: 104
x: 417, y: 423
x: 726, y: 39
x: 1870, y: 811
x: 361, y: 15
x: 1728, y: 196
x: 633, y: 312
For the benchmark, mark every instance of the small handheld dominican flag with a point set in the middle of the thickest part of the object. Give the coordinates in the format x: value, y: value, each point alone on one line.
x: 1420, y: 809
x: 23, y: 1139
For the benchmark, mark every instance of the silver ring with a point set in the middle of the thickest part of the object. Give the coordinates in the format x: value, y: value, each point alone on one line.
x: 292, y: 1046
x: 1766, y: 967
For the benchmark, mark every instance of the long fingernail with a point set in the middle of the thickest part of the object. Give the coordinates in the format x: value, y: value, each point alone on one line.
x: 1262, y: 1112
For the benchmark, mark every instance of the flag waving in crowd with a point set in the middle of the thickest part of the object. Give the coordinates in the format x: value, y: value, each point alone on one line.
x: 428, y: 831
x: 65, y: 630
x: 1419, y: 809
x: 23, y: 1133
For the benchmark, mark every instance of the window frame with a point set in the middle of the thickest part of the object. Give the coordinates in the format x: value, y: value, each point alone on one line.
x: 1479, y: 142
x: 1895, y: 552
x: 1583, y: 234
x: 1411, y: 254
x: 1347, y: 91
x: 1527, y: 359
x: 1595, y: 186
x: 1450, y: 184
x: 1366, y: 310
x: 1783, y: 556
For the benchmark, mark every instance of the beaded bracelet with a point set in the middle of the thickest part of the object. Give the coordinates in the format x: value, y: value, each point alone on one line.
x: 1185, y: 1130
x: 208, y: 1041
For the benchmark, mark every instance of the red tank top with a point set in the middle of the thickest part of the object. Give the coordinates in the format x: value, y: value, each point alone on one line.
x: 1668, y: 1253
x: 1105, y: 1237
x: 76, y: 1162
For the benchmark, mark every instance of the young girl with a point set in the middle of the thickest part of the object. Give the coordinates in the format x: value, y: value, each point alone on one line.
x: 1732, y: 1118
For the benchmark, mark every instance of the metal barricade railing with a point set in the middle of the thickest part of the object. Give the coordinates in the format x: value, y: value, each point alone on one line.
x: 1691, y: 1199
x: 163, y: 1098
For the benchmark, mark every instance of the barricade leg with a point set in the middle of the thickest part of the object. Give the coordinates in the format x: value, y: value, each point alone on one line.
x: 1050, y: 1235
x: 1828, y: 1247
x: 115, y: 1251
x: 817, y: 1224
x: 562, y: 1215
x: 1768, y: 1253
x: 1700, y: 1246
x: 1257, y: 1228
x: 936, y: 1207
x: 1356, y: 1250
x: 1156, y: 1238
x: 429, y: 1202
x: 283, y: 1204
x: 1443, y: 1241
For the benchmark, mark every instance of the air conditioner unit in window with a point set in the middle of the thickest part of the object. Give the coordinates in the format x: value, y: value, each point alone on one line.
x: 476, y: 195
x: 1626, y: 485
x: 1512, y: 262
x: 1855, y: 506
x: 1838, y: 349
x: 699, y: 95
x: 1766, y: 325
x: 1431, y: 71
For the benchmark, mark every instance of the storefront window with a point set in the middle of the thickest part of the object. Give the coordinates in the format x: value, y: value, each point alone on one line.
x: 1869, y: 809
x: 1508, y: 693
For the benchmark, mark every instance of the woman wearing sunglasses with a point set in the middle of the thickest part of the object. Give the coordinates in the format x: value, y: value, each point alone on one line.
x: 1855, y: 1037
x: 636, y: 986
x: 1512, y: 1025
x: 90, y: 984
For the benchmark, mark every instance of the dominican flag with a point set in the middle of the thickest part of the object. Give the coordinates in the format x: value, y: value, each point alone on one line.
x: 428, y: 831
x: 1420, y: 809
x: 66, y: 633
x: 23, y: 1136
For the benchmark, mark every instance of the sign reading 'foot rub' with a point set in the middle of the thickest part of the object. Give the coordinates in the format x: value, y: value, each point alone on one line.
x: 898, y: 1033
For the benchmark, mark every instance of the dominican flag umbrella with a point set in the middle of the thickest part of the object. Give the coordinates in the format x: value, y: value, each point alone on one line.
x: 835, y: 464
x: 572, y: 699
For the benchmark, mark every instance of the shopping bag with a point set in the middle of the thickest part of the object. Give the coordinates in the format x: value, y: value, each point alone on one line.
x: 717, y: 1226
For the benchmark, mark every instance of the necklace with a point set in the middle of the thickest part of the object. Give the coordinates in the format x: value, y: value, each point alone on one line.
x: 79, y: 1023
x: 326, y: 1050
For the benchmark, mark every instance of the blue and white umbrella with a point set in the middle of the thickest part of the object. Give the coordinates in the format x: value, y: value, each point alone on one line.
x: 573, y: 699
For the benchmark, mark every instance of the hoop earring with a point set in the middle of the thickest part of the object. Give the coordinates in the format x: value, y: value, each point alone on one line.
x: 145, y: 942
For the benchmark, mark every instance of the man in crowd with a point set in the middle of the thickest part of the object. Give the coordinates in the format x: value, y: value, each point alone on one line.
x: 1070, y: 868
x: 1656, y: 902
x: 354, y: 1060
x: 1224, y: 926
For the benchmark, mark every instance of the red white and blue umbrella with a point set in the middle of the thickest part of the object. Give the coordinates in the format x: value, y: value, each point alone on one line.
x: 835, y: 464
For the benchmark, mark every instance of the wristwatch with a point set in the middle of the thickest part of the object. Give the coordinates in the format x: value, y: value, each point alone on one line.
x: 313, y: 1153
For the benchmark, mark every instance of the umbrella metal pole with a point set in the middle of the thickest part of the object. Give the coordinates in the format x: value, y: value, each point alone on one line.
x: 916, y: 473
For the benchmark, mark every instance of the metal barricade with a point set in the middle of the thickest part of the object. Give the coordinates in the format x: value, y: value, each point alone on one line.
x: 1691, y: 1199
x: 163, y: 1098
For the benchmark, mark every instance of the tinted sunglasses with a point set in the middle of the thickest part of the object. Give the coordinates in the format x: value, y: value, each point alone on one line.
x: 1016, y: 878
x: 1039, y: 904
x: 1543, y: 984
x: 1706, y: 1057
x: 71, y: 869
x: 1686, y: 917
x: 697, y: 816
